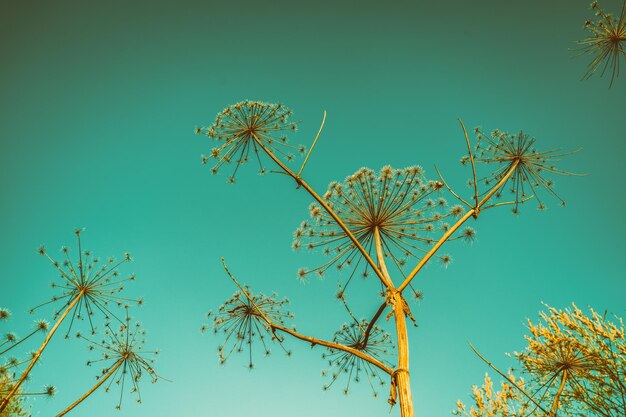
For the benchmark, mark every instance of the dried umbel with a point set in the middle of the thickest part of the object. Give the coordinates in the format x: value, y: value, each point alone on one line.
x: 123, y: 359
x: 574, y: 365
x: 93, y: 284
x: 243, y: 320
x: 504, y: 152
x: 245, y: 129
x: 507, y: 402
x: 397, y: 209
x: 606, y: 41
x: 375, y: 343
x: 88, y: 287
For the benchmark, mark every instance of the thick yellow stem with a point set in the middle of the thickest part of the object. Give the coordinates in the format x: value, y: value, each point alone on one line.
x: 555, y: 403
x: 36, y: 356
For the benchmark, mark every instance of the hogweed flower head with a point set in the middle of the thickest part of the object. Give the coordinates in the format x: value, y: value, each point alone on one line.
x: 242, y: 319
x: 96, y: 283
x: 244, y: 129
x: 377, y: 344
x: 505, y: 151
x: 398, y: 205
x: 606, y: 40
x: 123, y: 357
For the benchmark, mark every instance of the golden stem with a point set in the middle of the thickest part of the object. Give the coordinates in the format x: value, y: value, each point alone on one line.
x: 94, y: 388
x: 401, y: 374
x: 17, y: 385
x: 555, y: 403
x: 459, y: 223
x: 329, y: 210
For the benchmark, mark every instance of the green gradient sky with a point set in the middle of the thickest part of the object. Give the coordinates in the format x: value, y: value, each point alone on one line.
x: 99, y: 102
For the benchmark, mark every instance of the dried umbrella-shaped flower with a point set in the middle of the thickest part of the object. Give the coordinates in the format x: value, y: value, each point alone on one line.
x: 607, y: 41
x: 243, y: 318
x: 125, y: 359
x: 246, y: 128
x: 392, y: 211
x: 528, y: 178
x: 377, y: 344
x: 575, y: 365
x: 86, y: 289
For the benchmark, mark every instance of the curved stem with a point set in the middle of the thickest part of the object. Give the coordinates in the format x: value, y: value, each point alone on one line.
x: 459, y: 223
x: 328, y: 209
x: 94, y: 388
x: 36, y: 356
x: 555, y: 403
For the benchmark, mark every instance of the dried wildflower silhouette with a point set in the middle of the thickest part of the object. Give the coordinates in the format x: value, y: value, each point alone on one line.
x: 10, y: 366
x: 574, y: 364
x: 378, y: 345
x: 88, y: 287
x: 248, y: 127
x: 124, y: 360
x: 606, y: 41
x: 242, y: 319
x: 392, y: 217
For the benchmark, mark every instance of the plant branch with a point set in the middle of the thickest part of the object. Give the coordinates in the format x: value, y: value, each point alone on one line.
x: 472, y: 213
x: 312, y: 146
x: 329, y: 210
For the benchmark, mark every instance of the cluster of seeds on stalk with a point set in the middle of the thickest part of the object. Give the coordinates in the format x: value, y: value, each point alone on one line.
x: 516, y: 151
x: 247, y: 129
x: 607, y: 41
x: 375, y: 343
x: 398, y: 205
x: 124, y: 357
x: 96, y: 284
x: 243, y: 321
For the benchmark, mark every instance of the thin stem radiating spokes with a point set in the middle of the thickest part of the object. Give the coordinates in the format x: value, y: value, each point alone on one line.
x: 273, y: 327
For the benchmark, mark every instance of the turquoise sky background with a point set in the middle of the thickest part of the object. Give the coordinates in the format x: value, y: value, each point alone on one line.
x: 99, y: 103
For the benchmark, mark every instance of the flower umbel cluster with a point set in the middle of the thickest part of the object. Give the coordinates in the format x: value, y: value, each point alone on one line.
x: 516, y: 152
x: 606, y: 40
x: 377, y: 344
x: 243, y: 318
x: 95, y: 283
x: 396, y: 209
x: 247, y: 128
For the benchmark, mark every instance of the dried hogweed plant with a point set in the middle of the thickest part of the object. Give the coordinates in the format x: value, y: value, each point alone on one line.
x: 606, y: 41
x: 574, y: 365
x: 87, y: 288
x: 124, y: 361
x: 11, y: 365
x: 388, y: 225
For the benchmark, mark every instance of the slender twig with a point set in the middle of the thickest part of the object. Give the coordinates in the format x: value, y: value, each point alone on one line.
x: 450, y: 189
x: 312, y: 146
x: 471, y: 156
x: 502, y: 374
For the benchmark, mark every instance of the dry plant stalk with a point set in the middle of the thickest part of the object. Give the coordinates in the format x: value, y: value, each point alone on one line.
x: 375, y: 224
x: 574, y: 365
x: 88, y: 287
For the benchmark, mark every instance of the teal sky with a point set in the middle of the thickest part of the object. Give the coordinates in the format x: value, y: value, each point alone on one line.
x: 99, y: 103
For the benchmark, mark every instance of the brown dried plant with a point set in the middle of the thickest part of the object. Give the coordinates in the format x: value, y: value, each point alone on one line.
x: 606, y: 41
x: 88, y: 288
x: 574, y: 365
x: 389, y: 225
x: 124, y: 360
